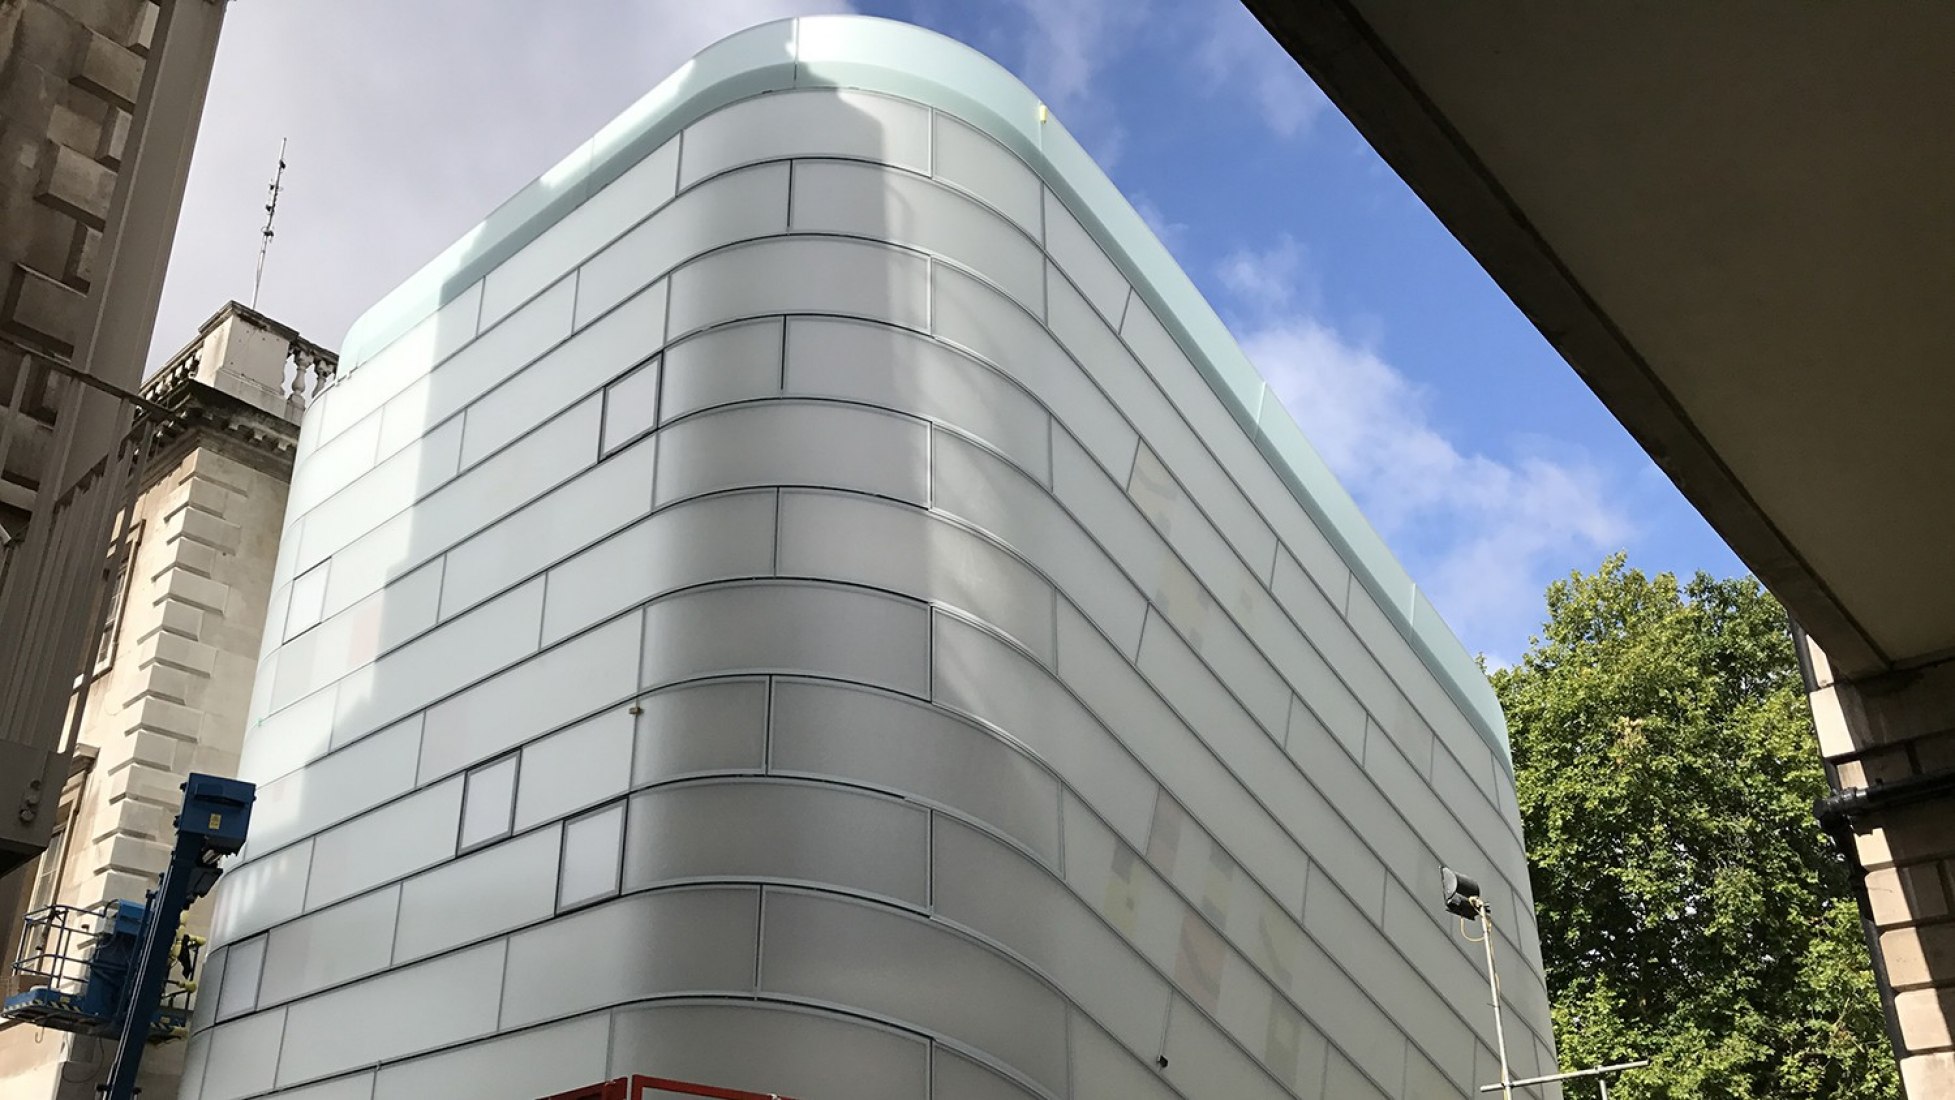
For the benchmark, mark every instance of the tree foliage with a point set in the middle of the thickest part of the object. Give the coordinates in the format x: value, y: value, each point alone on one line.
x: 1691, y: 911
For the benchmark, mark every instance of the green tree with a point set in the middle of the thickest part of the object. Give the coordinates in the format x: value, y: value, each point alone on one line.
x: 1690, y: 909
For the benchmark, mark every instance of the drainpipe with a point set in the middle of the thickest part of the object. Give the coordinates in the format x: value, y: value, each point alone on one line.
x: 1835, y: 813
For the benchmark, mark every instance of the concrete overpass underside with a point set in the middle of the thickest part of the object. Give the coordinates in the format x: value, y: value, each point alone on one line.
x: 1737, y: 224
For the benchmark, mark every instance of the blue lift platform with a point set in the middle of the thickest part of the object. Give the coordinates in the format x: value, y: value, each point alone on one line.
x: 106, y: 970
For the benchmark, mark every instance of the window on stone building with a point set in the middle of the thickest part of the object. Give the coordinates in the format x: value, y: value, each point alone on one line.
x: 115, y: 594
x: 47, y: 871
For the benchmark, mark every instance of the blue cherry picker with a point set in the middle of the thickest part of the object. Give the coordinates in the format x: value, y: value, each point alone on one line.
x: 107, y: 970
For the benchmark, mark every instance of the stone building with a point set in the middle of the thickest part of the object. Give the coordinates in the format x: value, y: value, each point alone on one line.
x: 100, y: 102
x: 181, y: 609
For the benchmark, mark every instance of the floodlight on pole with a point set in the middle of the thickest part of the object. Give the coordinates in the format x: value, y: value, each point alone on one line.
x: 1463, y: 900
x: 1461, y: 897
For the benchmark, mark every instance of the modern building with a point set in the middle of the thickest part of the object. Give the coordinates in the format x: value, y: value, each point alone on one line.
x: 99, y: 106
x: 181, y: 605
x: 807, y: 598
x: 1733, y: 225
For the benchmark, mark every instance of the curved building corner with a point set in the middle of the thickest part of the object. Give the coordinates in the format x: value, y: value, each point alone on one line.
x: 806, y: 598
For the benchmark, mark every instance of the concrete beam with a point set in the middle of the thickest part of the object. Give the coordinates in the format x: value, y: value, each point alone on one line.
x: 1367, y: 82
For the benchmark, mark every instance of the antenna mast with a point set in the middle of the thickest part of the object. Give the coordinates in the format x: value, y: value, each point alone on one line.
x: 271, y: 212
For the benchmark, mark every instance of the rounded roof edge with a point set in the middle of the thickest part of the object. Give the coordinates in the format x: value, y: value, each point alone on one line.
x: 896, y: 58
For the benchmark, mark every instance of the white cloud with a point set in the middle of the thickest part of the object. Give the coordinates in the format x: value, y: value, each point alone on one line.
x: 1170, y: 232
x: 1481, y: 534
x: 1264, y: 281
x: 1238, y: 55
x: 1068, y: 42
x: 1065, y: 46
x: 408, y: 123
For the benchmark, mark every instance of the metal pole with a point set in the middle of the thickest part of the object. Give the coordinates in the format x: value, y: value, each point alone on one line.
x: 271, y: 212
x: 1493, y: 987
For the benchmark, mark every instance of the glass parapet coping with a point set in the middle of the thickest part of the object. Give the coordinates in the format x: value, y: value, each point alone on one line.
x: 880, y: 55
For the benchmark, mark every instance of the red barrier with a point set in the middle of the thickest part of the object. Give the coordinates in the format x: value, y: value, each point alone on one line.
x: 634, y: 1087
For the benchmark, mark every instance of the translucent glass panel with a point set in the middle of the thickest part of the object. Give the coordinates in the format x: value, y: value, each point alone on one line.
x: 244, y: 967
x: 466, y: 649
x: 488, y: 800
x: 667, y: 942
x: 813, y: 123
x: 203, y: 1006
x: 602, y: 351
x: 844, y: 952
x: 603, y: 499
x: 991, y: 889
x: 498, y: 888
x: 858, y: 279
x: 794, y: 444
x: 1202, y: 1062
x: 1274, y: 942
x: 329, y: 947
x: 496, y: 487
x: 415, y: 832
x: 357, y: 392
x: 334, y: 466
x: 631, y: 406
x: 1259, y: 762
x: 1173, y: 510
x: 1104, y: 359
x: 356, y: 636
x: 642, y: 188
x: 846, y: 633
x: 979, y: 488
x: 592, y: 846
x: 740, y: 206
x: 1190, y: 394
x: 581, y: 766
x: 330, y: 790
x: 261, y: 893
x: 841, y: 536
x: 869, y: 201
x: 911, y: 373
x: 389, y: 487
x: 1109, y: 875
x: 1102, y: 1068
x: 1081, y: 259
x: 981, y: 676
x: 768, y: 1048
x: 436, y: 1003
x: 1175, y: 592
x: 1127, y: 703
x: 539, y: 1062
x: 694, y: 728
x: 972, y: 315
x: 869, y: 737
x: 307, y: 600
x: 1379, y: 968
x: 718, y: 538
x: 972, y: 161
x: 810, y: 833
x: 955, y: 1078
x: 722, y: 365
x: 243, y: 1056
x: 558, y: 686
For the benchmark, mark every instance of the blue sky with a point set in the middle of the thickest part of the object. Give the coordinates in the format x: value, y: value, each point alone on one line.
x: 1482, y: 458
x: 1487, y: 464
